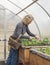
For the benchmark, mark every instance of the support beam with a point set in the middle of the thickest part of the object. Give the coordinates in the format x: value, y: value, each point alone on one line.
x: 37, y: 28
x: 26, y: 7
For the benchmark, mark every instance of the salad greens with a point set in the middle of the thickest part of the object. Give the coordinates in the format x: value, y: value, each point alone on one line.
x: 26, y: 42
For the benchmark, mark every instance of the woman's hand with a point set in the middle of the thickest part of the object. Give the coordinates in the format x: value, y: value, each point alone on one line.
x: 37, y: 37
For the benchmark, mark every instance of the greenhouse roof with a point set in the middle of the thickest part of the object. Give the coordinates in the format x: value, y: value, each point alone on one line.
x: 40, y: 9
x: 29, y: 6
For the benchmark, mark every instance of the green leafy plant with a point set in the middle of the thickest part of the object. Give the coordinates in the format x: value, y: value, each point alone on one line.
x: 34, y: 41
x: 26, y: 42
x: 45, y: 40
x: 47, y: 50
x: 39, y: 42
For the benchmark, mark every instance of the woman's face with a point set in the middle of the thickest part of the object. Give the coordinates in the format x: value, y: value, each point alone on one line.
x: 27, y: 21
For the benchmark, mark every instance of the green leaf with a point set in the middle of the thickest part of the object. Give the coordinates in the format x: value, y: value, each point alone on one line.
x: 47, y: 51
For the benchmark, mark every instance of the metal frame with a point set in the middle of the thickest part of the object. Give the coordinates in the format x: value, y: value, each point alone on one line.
x: 5, y: 30
x: 43, y: 9
x: 23, y: 8
x: 26, y: 7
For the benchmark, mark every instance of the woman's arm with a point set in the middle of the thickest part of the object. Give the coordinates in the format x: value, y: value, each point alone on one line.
x: 25, y: 37
x: 28, y: 31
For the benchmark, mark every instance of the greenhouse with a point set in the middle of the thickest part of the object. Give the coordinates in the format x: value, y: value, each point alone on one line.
x: 34, y: 49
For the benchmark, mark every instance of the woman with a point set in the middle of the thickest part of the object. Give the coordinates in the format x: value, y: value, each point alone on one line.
x: 19, y: 32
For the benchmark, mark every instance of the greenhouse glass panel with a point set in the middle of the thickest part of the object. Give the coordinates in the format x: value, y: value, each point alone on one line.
x: 43, y: 3
x: 2, y: 31
x: 21, y: 3
x: 42, y: 19
x: 2, y: 19
x: 9, y: 6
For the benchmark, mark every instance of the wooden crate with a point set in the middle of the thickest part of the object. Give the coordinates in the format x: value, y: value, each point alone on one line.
x: 24, y: 55
x: 37, y: 59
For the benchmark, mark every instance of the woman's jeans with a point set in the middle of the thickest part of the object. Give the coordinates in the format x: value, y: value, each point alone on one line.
x: 13, y: 57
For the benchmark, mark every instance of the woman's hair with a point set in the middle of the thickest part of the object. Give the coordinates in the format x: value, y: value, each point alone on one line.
x: 27, y: 18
